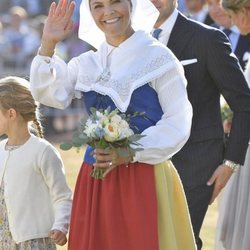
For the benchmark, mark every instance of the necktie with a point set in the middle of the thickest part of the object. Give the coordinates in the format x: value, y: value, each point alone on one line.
x: 227, y: 32
x: 156, y: 33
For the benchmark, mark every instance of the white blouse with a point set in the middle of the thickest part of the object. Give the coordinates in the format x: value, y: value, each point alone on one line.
x: 117, y: 73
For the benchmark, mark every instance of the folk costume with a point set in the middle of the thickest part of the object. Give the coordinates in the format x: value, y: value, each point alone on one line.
x: 140, y: 206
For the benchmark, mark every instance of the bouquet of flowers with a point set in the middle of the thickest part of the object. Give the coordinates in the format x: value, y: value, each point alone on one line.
x: 106, y: 129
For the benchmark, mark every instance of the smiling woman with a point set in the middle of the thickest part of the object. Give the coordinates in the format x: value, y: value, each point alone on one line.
x: 113, y: 18
x: 140, y: 203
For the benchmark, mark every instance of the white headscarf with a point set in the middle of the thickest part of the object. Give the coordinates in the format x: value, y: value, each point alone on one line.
x: 144, y: 16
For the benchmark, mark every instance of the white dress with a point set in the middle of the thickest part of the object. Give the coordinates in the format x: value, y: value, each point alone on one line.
x: 233, y: 225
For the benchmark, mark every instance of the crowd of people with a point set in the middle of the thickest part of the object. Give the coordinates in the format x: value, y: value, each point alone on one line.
x: 175, y: 65
x: 20, y: 33
x: 21, y: 26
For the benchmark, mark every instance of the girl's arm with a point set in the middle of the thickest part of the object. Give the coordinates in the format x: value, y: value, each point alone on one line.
x: 53, y: 174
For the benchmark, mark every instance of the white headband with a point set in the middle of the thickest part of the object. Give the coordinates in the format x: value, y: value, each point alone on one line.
x: 144, y: 17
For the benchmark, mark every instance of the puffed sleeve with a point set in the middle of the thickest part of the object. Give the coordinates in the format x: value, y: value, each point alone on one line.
x: 170, y: 133
x: 53, y: 81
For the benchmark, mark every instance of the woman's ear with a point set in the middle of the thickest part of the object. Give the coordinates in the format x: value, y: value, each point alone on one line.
x: 11, y: 113
x: 245, y: 14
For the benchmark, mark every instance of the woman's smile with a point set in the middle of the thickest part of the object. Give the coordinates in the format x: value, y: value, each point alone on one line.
x: 111, y: 21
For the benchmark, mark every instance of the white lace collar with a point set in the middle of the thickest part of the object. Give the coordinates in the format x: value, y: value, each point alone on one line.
x: 137, y: 61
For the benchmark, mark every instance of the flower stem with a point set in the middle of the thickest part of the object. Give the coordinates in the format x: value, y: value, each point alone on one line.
x: 97, y: 173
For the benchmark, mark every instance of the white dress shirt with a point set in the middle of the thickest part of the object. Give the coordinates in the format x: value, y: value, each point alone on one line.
x: 167, y: 27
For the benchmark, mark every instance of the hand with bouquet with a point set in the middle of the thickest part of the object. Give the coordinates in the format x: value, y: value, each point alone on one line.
x: 111, y: 136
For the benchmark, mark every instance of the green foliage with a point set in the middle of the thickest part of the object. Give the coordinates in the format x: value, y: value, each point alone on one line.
x: 226, y: 113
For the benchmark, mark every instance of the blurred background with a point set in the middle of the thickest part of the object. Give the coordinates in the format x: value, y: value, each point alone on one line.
x: 21, y: 25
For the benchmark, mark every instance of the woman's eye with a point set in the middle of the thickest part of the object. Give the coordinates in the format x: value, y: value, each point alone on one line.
x: 97, y: 6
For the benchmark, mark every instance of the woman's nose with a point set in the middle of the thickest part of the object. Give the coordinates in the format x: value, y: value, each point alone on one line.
x: 108, y: 11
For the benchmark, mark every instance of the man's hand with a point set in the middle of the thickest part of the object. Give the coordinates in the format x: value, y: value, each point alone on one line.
x: 219, y: 178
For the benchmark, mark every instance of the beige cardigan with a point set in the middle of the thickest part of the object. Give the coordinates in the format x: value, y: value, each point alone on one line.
x: 35, y: 190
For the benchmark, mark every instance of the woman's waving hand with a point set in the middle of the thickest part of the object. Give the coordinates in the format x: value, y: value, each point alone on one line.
x: 57, y: 26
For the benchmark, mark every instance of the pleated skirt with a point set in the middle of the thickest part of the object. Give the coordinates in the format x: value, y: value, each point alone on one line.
x: 139, y: 207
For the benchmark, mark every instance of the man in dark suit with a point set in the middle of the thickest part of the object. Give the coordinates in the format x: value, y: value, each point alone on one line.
x: 211, y: 69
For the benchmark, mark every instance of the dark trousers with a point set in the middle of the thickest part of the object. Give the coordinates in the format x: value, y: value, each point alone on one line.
x: 195, y: 164
x: 198, y: 199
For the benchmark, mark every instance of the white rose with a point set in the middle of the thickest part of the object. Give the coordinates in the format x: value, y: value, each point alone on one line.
x: 123, y: 124
x: 116, y: 119
x: 111, y: 132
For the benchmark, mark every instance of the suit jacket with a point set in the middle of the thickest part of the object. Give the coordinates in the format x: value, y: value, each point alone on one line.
x: 216, y: 72
x: 242, y: 50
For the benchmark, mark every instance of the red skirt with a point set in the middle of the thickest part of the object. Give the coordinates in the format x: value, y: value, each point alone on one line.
x: 120, y: 212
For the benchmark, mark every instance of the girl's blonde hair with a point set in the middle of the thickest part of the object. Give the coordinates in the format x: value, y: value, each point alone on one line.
x: 235, y: 5
x: 15, y: 93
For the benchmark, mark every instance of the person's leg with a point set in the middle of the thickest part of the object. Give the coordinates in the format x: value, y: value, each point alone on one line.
x: 198, y: 199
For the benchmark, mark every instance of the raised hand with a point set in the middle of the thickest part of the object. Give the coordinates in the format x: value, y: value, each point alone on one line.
x: 57, y: 26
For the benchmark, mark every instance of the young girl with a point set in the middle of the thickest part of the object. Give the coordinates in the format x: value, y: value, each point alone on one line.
x: 35, y: 200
